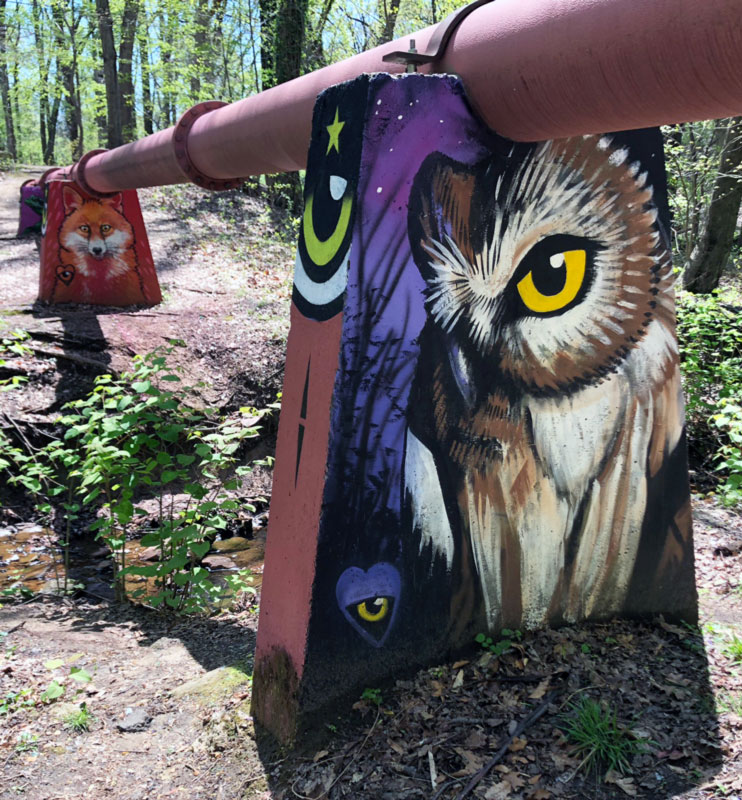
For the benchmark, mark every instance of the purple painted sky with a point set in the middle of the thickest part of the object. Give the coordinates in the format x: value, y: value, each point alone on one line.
x: 407, y: 119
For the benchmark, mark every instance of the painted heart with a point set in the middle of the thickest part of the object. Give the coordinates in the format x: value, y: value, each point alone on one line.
x: 369, y: 600
x: 65, y: 274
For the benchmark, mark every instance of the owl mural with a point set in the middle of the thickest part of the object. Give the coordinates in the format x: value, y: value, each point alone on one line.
x: 505, y: 443
x: 547, y: 395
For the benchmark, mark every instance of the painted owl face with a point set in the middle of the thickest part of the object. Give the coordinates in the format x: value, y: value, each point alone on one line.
x: 550, y: 270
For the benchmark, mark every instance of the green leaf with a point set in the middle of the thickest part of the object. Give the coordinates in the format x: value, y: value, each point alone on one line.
x: 200, y: 548
x: 80, y: 675
x: 178, y: 561
x: 52, y: 692
x: 54, y: 663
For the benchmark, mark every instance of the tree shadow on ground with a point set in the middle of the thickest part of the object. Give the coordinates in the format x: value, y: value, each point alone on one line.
x: 211, y: 641
x: 83, y: 349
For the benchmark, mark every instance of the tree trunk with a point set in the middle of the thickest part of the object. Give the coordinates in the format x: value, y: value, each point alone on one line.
x: 147, y: 105
x: 5, y: 87
x: 79, y: 147
x: 125, y: 80
x: 208, y: 20
x: 51, y: 131
x: 315, y: 51
x: 268, y: 15
x: 110, y: 77
x: 44, y: 69
x: 289, y: 44
x: 711, y: 253
x: 66, y: 63
x: 389, y: 11
x: 201, y: 21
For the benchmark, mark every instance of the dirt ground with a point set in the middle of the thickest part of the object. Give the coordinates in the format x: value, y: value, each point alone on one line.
x: 169, y: 698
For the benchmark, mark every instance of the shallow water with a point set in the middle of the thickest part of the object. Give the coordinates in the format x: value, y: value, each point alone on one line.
x: 31, y: 561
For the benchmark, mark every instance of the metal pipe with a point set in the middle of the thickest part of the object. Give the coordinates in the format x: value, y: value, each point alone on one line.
x: 533, y: 70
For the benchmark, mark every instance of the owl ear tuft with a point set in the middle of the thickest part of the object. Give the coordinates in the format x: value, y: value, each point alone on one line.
x: 440, y: 209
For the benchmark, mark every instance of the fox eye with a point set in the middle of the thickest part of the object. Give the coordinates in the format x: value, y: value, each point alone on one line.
x: 105, y: 228
x: 85, y: 228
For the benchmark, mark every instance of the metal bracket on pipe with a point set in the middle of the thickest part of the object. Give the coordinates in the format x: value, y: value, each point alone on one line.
x: 182, y: 156
x: 438, y: 41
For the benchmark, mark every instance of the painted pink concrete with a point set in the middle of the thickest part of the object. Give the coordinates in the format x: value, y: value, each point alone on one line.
x: 287, y: 583
x: 533, y: 70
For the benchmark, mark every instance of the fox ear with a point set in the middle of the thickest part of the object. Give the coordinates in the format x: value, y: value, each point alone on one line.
x: 71, y: 200
x: 116, y: 201
x: 440, y: 208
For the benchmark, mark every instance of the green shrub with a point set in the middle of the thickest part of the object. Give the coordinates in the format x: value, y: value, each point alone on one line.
x: 133, y: 437
x: 710, y: 341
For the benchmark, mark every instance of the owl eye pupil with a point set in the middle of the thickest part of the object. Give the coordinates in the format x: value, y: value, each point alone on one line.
x: 550, y: 277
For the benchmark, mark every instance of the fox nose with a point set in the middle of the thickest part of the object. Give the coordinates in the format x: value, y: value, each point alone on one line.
x: 97, y: 250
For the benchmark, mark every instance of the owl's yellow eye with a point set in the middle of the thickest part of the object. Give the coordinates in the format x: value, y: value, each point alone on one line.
x: 373, y: 610
x: 564, y: 272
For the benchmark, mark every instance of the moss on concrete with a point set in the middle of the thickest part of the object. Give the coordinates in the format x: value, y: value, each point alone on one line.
x: 213, y: 687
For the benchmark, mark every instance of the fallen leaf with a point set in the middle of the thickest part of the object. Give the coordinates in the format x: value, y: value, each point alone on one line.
x: 672, y: 628
x: 540, y: 690
x: 396, y: 747
x: 498, y: 792
x: 473, y: 762
x: 517, y: 744
x: 514, y: 780
x: 475, y: 739
x: 625, y: 784
x: 459, y: 682
x: 459, y: 664
x: 540, y: 794
x: 319, y: 755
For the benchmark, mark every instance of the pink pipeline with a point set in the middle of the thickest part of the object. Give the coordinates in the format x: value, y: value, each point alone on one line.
x: 533, y: 70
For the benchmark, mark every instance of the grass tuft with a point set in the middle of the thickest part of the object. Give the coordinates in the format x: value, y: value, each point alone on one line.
x: 597, y: 738
x: 79, y: 721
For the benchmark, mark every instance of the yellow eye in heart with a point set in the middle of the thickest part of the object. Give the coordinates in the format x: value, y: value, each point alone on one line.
x: 564, y: 271
x: 373, y: 610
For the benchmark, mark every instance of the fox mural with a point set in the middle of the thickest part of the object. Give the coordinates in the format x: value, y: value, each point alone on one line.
x: 95, y: 250
x: 96, y: 253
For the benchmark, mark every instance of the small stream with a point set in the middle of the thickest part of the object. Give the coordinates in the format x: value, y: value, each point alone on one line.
x: 31, y: 562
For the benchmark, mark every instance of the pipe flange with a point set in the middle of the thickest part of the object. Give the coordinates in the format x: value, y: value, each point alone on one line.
x: 183, y: 157
x: 77, y: 173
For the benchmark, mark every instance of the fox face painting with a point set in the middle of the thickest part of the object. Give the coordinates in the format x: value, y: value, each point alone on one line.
x: 97, y: 256
x: 547, y: 393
